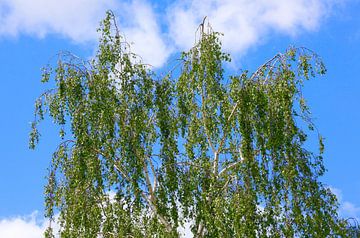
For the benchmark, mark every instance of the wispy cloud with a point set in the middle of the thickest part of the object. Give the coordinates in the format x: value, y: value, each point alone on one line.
x: 246, y: 23
x: 76, y: 20
x: 23, y: 226
x: 347, y: 209
x: 32, y: 226
x: 139, y: 24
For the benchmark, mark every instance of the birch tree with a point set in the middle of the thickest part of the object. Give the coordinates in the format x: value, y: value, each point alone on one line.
x: 141, y: 154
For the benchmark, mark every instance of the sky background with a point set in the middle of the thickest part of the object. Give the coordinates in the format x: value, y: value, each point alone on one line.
x: 33, y: 31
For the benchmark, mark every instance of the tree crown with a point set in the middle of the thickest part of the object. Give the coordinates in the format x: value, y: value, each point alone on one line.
x: 141, y: 155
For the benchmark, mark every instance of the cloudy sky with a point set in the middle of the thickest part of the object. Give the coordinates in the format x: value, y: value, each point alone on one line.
x: 33, y: 31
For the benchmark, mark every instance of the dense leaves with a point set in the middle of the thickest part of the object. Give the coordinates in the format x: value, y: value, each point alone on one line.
x: 142, y: 155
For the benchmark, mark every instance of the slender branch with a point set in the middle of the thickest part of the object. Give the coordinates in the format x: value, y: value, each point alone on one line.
x: 86, y: 72
x: 270, y: 69
x: 201, y: 30
x: 65, y: 143
x: 226, y: 184
x: 187, y: 163
x: 149, y: 201
x: 202, y: 25
x: 47, y: 92
x: 154, y: 174
x: 253, y: 76
x: 230, y: 166
x: 151, y: 120
x: 225, y: 126
x: 203, y: 116
x: 175, y: 67
x: 122, y: 172
x: 200, y: 231
x: 266, y: 64
x: 216, y: 164
x: 148, y: 183
x: 117, y: 31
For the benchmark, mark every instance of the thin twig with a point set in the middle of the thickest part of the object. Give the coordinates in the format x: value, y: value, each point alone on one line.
x: 230, y: 166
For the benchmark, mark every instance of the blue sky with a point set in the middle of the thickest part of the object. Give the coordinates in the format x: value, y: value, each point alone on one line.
x: 33, y: 31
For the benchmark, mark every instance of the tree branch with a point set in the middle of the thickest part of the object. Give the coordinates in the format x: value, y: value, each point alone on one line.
x: 149, y: 201
x: 253, y: 76
x: 148, y: 183
x: 154, y: 174
x: 216, y: 163
x: 232, y: 165
x: 200, y: 231
x: 203, y: 114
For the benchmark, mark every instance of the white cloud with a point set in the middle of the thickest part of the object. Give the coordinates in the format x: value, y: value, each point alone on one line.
x: 76, y: 20
x: 350, y: 210
x: 185, y: 230
x: 79, y: 19
x: 23, y: 227
x: 32, y: 226
x: 245, y: 23
x: 347, y: 209
x: 139, y: 24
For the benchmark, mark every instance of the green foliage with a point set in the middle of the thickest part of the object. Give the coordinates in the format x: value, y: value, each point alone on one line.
x: 223, y: 152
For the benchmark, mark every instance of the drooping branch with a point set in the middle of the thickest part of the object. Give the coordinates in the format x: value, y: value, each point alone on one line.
x: 203, y: 116
x: 150, y: 201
